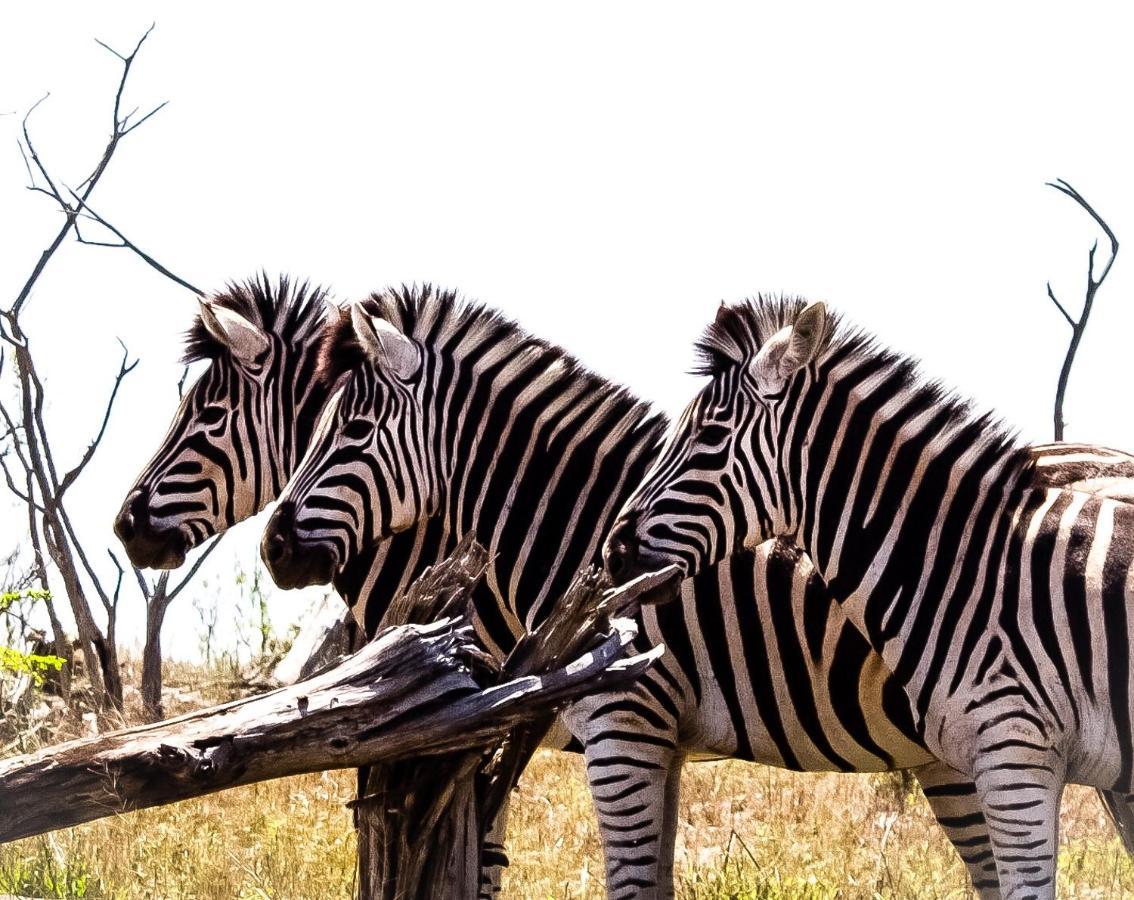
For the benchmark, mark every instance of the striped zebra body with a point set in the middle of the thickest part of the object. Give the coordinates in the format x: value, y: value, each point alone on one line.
x: 535, y: 456
x: 996, y: 588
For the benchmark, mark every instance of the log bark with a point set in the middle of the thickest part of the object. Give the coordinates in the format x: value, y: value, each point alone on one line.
x: 416, y: 690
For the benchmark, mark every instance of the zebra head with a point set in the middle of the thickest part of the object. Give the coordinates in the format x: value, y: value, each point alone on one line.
x: 369, y: 472
x: 716, y: 485
x: 238, y: 430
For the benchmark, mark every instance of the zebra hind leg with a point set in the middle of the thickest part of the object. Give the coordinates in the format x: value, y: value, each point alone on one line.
x: 956, y: 806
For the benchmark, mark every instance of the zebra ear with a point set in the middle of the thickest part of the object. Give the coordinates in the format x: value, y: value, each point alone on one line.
x: 790, y: 349
x: 385, y: 345
x: 806, y: 336
x: 245, y: 339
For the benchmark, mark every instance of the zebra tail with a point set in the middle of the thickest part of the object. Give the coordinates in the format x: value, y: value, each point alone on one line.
x: 1118, y: 807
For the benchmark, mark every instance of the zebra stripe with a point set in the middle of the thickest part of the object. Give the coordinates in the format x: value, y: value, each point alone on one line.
x: 994, y: 579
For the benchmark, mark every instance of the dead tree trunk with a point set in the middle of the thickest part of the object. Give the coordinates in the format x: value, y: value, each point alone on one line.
x: 426, y: 694
x: 158, y: 596
x: 152, y: 708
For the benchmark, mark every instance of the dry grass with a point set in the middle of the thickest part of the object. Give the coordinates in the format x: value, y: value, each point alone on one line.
x: 746, y: 832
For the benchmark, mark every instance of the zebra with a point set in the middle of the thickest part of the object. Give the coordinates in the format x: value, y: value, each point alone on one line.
x: 446, y: 410
x: 998, y: 598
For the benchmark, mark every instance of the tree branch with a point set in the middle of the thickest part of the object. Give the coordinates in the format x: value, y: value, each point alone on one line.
x: 202, y: 556
x: 1066, y: 314
x: 124, y: 369
x: 1093, y: 284
x: 121, y: 572
x: 129, y: 245
x: 23, y: 498
x: 87, y: 185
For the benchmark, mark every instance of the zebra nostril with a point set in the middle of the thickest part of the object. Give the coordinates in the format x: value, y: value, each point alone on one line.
x: 275, y: 548
x: 616, y: 559
x: 135, y: 515
x: 125, y: 526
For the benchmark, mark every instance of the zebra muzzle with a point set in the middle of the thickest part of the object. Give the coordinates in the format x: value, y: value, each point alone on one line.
x: 147, y: 545
x: 292, y: 561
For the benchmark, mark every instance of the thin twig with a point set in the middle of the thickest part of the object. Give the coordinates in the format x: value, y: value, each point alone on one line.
x: 87, y: 185
x: 204, y: 554
x: 124, y: 369
x: 121, y: 572
x: 1066, y: 314
x: 24, y: 498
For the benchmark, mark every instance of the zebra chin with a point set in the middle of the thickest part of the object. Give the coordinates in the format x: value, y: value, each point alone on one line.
x: 626, y: 554
x: 625, y: 560
x: 164, y: 550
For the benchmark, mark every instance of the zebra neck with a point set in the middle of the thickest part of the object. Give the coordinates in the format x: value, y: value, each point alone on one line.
x: 296, y: 398
x: 542, y: 459
x: 897, y: 513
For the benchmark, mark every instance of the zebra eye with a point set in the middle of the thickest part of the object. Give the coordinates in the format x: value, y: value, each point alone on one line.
x: 358, y: 430
x: 212, y: 415
x: 714, y: 434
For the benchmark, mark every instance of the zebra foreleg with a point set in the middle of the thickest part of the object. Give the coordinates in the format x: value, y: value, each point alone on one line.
x: 1020, y: 801
x: 631, y: 785
x: 633, y: 771
x: 956, y: 805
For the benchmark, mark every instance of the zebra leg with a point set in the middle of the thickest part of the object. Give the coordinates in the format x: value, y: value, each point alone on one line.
x: 1020, y: 801
x: 956, y: 805
x: 493, y: 859
x: 632, y: 784
x: 633, y: 771
x: 1120, y: 809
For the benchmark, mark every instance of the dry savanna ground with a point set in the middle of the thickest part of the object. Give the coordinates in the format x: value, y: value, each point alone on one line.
x: 746, y: 832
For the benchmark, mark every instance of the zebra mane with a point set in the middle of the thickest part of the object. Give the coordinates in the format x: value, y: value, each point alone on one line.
x: 741, y: 329
x: 441, y: 318
x: 293, y: 312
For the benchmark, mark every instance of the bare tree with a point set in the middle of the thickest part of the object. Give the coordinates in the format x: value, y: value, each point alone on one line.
x: 1079, y: 325
x: 28, y: 459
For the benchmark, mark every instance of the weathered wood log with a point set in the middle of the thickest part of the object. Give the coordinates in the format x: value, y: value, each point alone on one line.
x: 417, y: 689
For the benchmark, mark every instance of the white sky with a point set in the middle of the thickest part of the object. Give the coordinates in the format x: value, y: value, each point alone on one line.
x: 605, y: 173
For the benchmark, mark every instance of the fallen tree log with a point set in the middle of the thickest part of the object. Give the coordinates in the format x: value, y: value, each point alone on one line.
x: 416, y: 690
